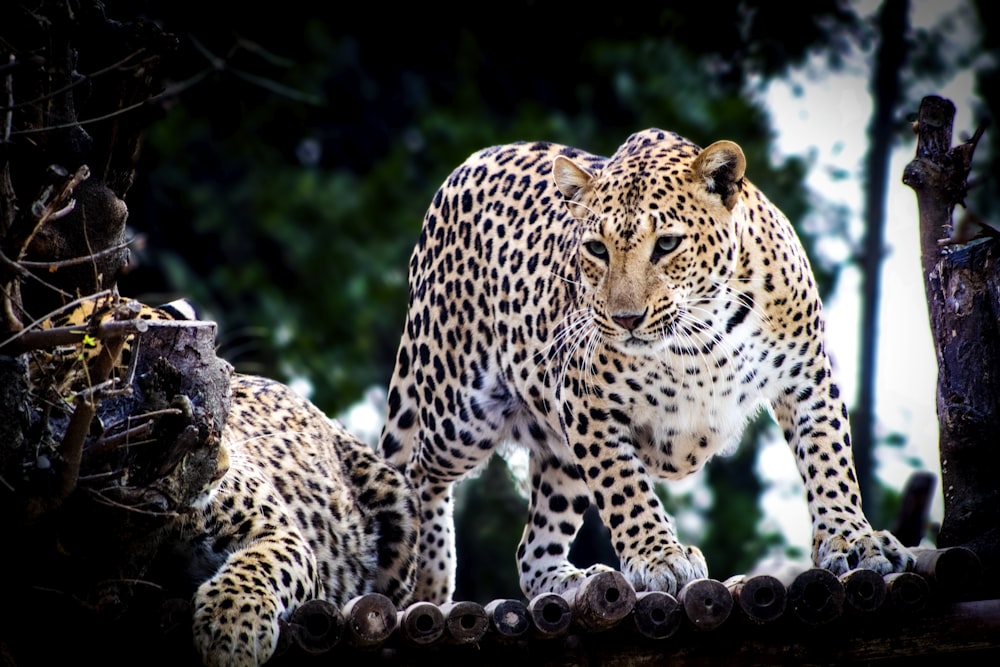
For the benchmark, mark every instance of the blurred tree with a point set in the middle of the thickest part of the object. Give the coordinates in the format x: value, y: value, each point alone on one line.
x: 886, y: 90
x: 490, y: 515
x: 985, y: 56
x: 914, y: 54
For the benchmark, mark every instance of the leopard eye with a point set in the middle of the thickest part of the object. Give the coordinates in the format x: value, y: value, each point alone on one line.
x: 596, y: 248
x: 664, y: 245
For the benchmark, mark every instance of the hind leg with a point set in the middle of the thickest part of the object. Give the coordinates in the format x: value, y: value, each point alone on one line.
x: 559, y: 497
x: 388, y: 503
x: 435, y: 580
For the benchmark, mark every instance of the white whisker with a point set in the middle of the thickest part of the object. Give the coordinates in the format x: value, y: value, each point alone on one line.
x: 575, y: 332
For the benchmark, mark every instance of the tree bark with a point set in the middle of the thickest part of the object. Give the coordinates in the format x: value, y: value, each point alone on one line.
x: 962, y: 284
x: 92, y: 475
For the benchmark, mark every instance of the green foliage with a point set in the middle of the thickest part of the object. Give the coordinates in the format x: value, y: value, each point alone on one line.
x: 489, y: 518
x: 313, y: 260
x: 301, y: 252
x: 983, y: 200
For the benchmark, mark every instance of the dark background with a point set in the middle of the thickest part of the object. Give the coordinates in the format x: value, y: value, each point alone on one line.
x: 295, y: 147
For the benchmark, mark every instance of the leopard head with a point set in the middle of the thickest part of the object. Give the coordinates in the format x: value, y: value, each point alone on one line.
x: 657, y: 240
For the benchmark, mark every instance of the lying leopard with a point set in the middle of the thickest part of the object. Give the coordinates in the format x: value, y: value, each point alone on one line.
x: 305, y: 511
x: 300, y: 510
x: 622, y: 318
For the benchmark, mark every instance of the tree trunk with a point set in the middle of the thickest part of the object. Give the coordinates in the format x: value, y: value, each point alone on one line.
x: 885, y: 92
x: 92, y: 473
x: 962, y: 284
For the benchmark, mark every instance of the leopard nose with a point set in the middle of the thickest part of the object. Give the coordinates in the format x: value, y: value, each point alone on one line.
x: 628, y: 321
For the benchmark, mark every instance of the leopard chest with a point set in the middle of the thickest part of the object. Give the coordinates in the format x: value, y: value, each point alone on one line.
x: 675, y: 411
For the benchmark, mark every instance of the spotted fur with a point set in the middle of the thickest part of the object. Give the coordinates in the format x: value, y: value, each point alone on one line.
x: 305, y: 511
x: 622, y: 318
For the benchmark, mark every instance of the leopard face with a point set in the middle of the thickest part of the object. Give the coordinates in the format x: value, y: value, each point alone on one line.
x: 622, y: 318
x: 645, y: 275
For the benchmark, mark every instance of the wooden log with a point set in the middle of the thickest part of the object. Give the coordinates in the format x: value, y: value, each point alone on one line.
x: 906, y: 592
x: 707, y: 603
x: 550, y: 615
x: 657, y: 614
x: 316, y: 627
x: 864, y: 590
x: 761, y: 598
x: 816, y: 596
x: 420, y: 623
x: 508, y: 619
x: 286, y: 641
x: 962, y: 633
x: 953, y: 572
x: 369, y: 620
x: 464, y: 622
x: 602, y: 601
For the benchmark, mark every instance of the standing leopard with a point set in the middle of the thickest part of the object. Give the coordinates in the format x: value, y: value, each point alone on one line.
x: 622, y: 318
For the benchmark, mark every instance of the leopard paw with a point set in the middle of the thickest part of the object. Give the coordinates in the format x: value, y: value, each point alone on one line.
x: 669, y: 570
x: 872, y: 550
x: 234, y: 629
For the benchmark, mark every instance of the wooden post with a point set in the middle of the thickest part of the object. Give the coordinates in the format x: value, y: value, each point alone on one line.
x: 601, y: 601
x: 369, y: 620
x: 962, y: 284
x: 864, y: 590
x: 816, y: 596
x: 420, y: 623
x: 551, y: 615
x: 706, y: 602
x: 509, y: 619
x: 657, y: 614
x: 907, y: 592
x: 955, y: 572
x: 760, y: 598
x: 464, y: 622
x: 316, y: 627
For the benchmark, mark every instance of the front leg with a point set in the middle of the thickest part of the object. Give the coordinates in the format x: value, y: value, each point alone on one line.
x: 559, y: 497
x: 814, y: 420
x: 642, y: 533
x: 267, y: 569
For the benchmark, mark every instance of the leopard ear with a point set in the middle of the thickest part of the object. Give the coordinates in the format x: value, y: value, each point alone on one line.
x: 570, y: 178
x: 721, y: 167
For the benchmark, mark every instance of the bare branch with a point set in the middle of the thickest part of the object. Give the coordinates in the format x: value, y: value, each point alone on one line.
x: 170, y: 91
x: 48, y: 338
x: 38, y: 322
x: 11, y: 106
x: 136, y: 241
x: 104, y: 500
x: 9, y: 116
x: 52, y: 204
x: 133, y: 435
x: 71, y: 447
x: 221, y: 65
